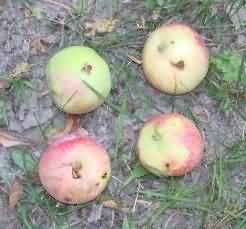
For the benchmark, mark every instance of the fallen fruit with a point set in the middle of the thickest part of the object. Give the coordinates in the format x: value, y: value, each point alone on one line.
x: 170, y: 145
x: 74, y: 169
x: 175, y: 58
x: 79, y: 79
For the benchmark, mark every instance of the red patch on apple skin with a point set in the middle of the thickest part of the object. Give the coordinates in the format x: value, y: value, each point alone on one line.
x: 189, y: 136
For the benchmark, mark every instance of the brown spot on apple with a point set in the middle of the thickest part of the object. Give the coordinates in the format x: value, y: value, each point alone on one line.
x: 67, y: 199
x: 104, y: 175
x: 160, y: 48
x: 167, y: 165
x: 180, y: 64
x: 87, y: 68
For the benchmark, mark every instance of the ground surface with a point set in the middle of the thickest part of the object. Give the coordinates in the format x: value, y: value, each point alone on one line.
x: 212, y: 196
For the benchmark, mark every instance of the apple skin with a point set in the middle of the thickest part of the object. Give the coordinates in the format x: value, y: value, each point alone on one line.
x: 170, y: 145
x: 74, y: 169
x: 175, y: 59
x: 65, y: 73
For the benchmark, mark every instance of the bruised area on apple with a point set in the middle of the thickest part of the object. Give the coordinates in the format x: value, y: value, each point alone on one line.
x: 79, y: 79
x: 170, y: 145
x: 74, y: 169
x: 175, y: 58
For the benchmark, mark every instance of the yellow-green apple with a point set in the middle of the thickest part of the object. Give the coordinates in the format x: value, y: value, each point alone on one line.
x: 175, y: 58
x: 74, y: 169
x: 78, y: 78
x: 170, y: 145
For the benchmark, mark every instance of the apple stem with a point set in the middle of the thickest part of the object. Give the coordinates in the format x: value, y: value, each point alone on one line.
x: 76, y: 167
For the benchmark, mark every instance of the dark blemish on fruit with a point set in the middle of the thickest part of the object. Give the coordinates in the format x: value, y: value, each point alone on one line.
x: 68, y: 199
x: 156, y: 137
x: 87, y: 68
x: 167, y: 165
x: 180, y: 65
x: 160, y: 48
x: 172, y: 42
x: 104, y: 175
x: 97, y: 184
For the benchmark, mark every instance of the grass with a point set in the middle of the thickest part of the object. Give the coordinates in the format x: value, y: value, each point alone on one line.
x: 3, y: 111
x: 228, y: 80
x: 216, y: 204
x: 35, y: 200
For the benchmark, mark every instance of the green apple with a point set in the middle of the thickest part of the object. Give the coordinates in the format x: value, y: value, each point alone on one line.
x: 79, y: 79
x: 175, y: 58
x: 170, y: 145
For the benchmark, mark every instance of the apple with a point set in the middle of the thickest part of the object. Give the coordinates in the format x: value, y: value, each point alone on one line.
x: 74, y: 169
x: 170, y: 145
x: 175, y: 59
x: 78, y: 78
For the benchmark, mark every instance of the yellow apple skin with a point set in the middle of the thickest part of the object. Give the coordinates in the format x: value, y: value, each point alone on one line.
x: 175, y: 59
x: 170, y: 145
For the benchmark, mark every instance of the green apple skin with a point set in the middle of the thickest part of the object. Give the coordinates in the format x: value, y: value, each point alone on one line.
x: 175, y: 59
x: 170, y: 145
x: 74, y: 75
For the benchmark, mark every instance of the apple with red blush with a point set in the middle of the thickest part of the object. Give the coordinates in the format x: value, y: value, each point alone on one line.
x: 170, y: 145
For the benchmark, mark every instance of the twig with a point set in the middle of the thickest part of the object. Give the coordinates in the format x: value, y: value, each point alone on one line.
x: 135, y: 202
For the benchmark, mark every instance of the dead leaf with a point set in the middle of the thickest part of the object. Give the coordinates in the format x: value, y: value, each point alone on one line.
x: 72, y: 124
x: 9, y: 140
x: 21, y: 68
x: 110, y: 203
x: 15, y: 193
x: 38, y: 46
x: 4, y: 84
x: 100, y: 25
x: 243, y: 96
